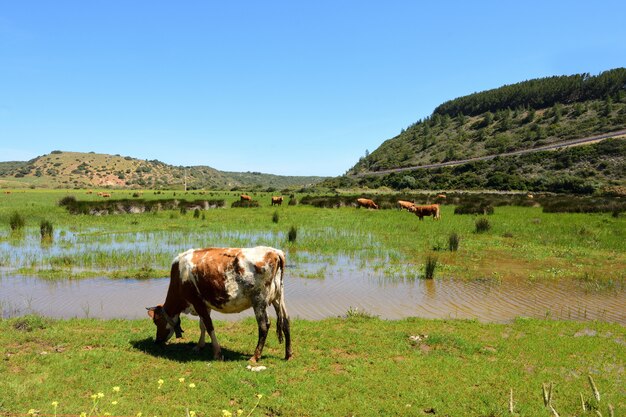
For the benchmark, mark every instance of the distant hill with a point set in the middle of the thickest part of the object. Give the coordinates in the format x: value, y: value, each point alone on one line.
x: 61, y: 169
x: 521, y: 116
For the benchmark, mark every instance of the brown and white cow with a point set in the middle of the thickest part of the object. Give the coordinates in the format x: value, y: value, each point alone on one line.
x: 277, y: 201
x: 228, y: 280
x: 367, y: 203
x: 245, y: 197
x: 429, y: 210
x: 405, y: 205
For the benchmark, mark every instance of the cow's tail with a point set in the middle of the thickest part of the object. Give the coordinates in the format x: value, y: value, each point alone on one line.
x: 282, y: 317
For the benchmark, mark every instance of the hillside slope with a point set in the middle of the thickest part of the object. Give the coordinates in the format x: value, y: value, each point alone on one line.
x: 61, y: 169
x: 494, y: 127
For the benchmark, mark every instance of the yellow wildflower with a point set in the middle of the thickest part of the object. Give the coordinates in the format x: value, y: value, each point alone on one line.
x: 226, y: 413
x: 259, y: 396
x: 181, y: 380
x: 192, y: 414
x: 192, y: 385
x: 139, y: 414
x: 113, y: 402
x: 116, y: 389
x: 55, y: 403
x: 100, y: 394
x: 32, y: 411
x: 83, y: 414
x: 239, y: 412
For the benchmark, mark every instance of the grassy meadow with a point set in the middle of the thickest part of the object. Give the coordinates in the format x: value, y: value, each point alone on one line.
x: 520, y: 242
x: 352, y: 365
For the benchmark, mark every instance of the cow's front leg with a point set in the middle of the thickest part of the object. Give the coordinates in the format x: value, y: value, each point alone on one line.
x: 260, y: 311
x: 201, y: 341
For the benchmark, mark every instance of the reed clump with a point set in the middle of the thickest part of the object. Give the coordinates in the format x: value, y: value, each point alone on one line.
x: 46, y: 230
x: 293, y: 234
x: 453, y: 242
x: 429, y: 267
x: 16, y: 221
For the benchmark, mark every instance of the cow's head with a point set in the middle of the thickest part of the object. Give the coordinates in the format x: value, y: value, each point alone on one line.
x: 166, y: 325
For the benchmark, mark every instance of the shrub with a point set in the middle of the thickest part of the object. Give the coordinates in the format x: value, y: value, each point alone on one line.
x: 293, y: 234
x: 196, y: 213
x: 67, y: 201
x: 293, y: 201
x: 482, y: 225
x: 46, y: 230
x: 429, y: 267
x: 245, y: 203
x: 453, y: 242
x: 16, y: 221
x: 275, y: 217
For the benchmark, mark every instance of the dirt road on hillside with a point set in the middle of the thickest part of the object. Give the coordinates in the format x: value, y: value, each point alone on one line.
x: 564, y: 144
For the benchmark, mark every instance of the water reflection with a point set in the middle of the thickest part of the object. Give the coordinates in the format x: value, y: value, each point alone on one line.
x: 490, y: 301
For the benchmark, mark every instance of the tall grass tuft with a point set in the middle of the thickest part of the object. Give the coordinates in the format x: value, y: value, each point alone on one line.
x: 196, y: 213
x: 293, y: 234
x: 453, y: 242
x: 430, y: 266
x: 482, y: 225
x: 46, y: 230
x: 275, y: 217
x: 16, y: 221
x: 183, y: 210
x: 293, y: 201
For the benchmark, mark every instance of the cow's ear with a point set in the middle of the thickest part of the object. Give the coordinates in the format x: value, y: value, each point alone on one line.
x: 151, y: 311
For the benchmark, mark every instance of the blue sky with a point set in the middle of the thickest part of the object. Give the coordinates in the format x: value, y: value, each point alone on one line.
x: 282, y: 87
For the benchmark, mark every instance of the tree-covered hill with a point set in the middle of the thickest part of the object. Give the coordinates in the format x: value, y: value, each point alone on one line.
x: 61, y: 169
x: 522, y: 116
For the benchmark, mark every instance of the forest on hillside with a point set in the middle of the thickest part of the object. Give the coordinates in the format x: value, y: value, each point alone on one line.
x: 540, y: 93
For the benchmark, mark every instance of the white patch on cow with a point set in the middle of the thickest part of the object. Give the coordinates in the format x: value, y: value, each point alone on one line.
x: 186, y: 266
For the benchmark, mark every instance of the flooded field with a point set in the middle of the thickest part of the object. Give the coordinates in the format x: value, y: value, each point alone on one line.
x: 333, y: 295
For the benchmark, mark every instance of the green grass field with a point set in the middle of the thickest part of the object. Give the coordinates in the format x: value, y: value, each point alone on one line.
x: 341, y: 367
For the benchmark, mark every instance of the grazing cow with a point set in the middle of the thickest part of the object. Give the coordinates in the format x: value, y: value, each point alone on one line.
x: 106, y: 195
x: 530, y: 196
x: 367, y: 203
x: 228, y: 280
x: 441, y: 196
x: 405, y: 205
x: 429, y: 210
x: 277, y: 201
x: 245, y: 197
x: 7, y: 192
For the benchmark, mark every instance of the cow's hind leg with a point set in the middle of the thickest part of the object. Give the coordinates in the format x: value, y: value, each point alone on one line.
x: 263, y: 321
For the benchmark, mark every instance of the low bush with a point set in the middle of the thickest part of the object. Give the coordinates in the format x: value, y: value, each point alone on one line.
x: 482, y: 225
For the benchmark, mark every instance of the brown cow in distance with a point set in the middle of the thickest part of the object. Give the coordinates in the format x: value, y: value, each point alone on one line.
x: 277, y: 201
x: 429, y: 210
x: 367, y: 203
x: 245, y: 197
x: 405, y: 205
x: 228, y: 280
x: 441, y: 196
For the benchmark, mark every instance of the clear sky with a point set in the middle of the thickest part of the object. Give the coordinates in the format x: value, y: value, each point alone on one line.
x: 283, y: 87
